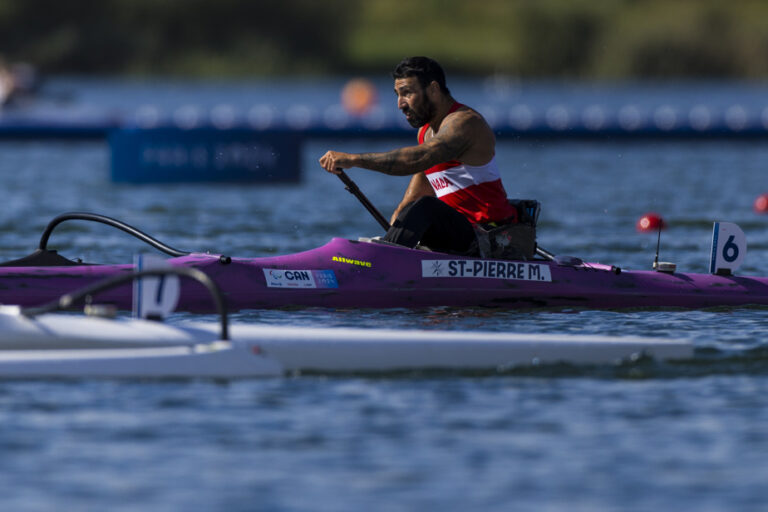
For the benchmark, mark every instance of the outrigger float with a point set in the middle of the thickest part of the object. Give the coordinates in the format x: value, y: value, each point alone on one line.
x: 40, y: 343
x: 370, y: 274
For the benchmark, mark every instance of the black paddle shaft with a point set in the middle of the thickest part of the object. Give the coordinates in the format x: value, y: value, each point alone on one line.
x: 355, y: 191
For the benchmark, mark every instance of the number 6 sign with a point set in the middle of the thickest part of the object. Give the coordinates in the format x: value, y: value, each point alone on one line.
x: 729, y: 246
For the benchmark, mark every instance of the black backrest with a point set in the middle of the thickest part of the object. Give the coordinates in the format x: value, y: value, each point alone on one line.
x: 527, y: 209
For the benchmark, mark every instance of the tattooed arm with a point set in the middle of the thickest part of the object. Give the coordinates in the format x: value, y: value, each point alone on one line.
x: 458, y: 134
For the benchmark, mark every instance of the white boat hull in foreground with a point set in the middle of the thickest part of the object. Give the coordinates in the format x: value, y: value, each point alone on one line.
x: 54, y: 345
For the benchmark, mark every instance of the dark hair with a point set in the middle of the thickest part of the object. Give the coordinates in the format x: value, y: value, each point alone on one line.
x: 426, y: 70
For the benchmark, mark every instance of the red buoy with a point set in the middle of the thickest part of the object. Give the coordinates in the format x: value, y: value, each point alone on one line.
x: 650, y: 222
x: 761, y: 203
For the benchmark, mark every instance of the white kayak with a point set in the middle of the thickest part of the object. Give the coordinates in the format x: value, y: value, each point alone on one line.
x: 60, y: 345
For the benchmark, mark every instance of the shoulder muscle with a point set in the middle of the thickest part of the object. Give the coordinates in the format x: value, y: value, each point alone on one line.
x: 461, y: 132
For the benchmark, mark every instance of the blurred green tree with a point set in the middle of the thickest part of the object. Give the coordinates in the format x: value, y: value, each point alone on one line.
x: 524, y: 38
x: 175, y: 36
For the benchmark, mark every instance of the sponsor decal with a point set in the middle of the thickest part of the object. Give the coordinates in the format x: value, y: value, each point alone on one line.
x: 325, y: 279
x: 359, y: 263
x: 517, y: 270
x: 279, y: 278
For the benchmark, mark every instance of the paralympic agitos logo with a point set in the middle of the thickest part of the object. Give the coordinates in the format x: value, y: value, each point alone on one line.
x: 291, y: 275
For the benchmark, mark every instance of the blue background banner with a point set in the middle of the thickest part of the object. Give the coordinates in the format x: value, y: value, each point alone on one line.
x: 166, y: 155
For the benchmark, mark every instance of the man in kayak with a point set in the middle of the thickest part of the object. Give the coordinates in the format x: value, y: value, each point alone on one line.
x: 455, y: 181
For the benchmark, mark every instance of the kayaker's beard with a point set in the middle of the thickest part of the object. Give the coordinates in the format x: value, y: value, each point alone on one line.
x: 421, y: 112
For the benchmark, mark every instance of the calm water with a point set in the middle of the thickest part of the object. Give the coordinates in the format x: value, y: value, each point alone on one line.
x: 642, y: 436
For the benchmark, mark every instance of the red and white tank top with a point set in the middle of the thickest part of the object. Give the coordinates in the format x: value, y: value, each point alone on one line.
x: 474, y: 191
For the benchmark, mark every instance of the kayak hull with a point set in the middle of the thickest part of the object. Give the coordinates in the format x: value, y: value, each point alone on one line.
x: 353, y: 274
x: 55, y: 345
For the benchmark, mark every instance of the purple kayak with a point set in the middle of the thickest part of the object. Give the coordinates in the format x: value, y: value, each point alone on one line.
x: 369, y: 274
